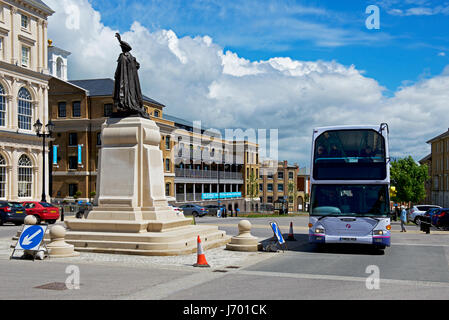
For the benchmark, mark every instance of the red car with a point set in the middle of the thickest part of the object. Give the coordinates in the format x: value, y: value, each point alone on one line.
x: 43, y: 211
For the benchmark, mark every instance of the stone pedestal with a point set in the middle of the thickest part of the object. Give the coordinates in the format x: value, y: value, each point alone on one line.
x: 244, y: 241
x: 58, y: 248
x: 133, y: 215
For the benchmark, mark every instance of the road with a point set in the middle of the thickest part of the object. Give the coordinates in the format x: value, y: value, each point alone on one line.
x: 415, y: 266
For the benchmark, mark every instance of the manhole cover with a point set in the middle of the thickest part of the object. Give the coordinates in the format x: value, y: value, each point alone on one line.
x: 53, y: 286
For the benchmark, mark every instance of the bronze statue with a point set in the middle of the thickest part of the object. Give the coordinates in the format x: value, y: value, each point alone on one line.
x: 127, y: 92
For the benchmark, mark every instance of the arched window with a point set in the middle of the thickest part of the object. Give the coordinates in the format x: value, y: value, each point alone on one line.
x: 25, y: 109
x: 2, y: 177
x: 59, y: 65
x: 167, y: 189
x: 25, y: 177
x: 2, y: 106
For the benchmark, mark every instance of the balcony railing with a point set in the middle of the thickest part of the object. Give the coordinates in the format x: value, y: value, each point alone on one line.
x: 207, y: 174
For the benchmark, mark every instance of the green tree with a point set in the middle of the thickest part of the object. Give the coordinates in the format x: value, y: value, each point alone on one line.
x: 293, y: 193
x: 409, y: 178
x: 252, y: 183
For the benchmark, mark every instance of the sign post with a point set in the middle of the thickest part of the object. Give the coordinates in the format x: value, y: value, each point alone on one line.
x: 31, y: 239
x: 278, y: 235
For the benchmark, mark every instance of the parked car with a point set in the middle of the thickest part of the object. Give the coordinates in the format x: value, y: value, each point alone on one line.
x: 416, y: 212
x: 194, y: 209
x: 177, y: 209
x: 12, y: 212
x: 213, y: 208
x: 440, y: 218
x: 43, y: 211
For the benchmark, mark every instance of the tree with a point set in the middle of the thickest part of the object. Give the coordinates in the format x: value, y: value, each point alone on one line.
x: 253, y: 187
x: 293, y: 193
x: 409, y: 180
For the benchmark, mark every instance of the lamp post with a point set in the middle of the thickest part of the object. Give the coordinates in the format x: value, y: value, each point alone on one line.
x: 49, y: 128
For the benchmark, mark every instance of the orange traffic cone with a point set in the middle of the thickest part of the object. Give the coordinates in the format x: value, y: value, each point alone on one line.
x: 291, y: 236
x: 201, y: 258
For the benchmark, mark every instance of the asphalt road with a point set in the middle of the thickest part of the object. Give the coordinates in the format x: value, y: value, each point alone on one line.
x: 416, y: 266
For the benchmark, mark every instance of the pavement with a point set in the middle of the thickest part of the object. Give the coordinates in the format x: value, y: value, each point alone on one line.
x: 416, y: 266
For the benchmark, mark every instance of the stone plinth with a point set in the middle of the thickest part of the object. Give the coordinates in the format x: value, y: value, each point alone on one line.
x: 133, y: 215
x: 244, y: 241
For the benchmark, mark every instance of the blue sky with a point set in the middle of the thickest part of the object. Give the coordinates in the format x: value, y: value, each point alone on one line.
x: 275, y: 64
x: 412, y: 42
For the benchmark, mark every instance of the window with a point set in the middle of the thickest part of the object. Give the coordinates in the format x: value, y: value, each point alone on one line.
x: 1, y: 48
x: 25, y: 56
x: 73, y: 139
x: 62, y: 110
x: 270, y: 187
x: 167, y: 142
x: 270, y: 199
x: 281, y: 187
x: 59, y: 65
x: 261, y: 187
x: 167, y: 165
x: 98, y: 138
x: 108, y: 109
x: 73, y: 189
x: 281, y: 175
x: 25, y: 21
x: 2, y: 107
x: 2, y: 177
x: 73, y: 163
x: 156, y: 113
x: 167, y: 189
x: 290, y: 175
x: 25, y: 177
x: 25, y: 109
x: 76, y: 109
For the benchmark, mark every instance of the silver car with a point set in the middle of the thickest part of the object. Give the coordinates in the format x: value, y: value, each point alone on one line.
x: 416, y: 212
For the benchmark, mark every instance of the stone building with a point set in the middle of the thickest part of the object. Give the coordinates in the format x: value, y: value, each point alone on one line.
x: 23, y: 97
x: 440, y: 169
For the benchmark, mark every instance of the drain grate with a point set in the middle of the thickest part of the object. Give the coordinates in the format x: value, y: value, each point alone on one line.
x: 53, y: 286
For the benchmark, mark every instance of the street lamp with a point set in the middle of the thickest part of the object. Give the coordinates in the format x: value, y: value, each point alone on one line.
x: 50, y: 127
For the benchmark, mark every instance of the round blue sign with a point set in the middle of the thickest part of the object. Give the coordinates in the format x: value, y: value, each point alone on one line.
x: 31, y: 238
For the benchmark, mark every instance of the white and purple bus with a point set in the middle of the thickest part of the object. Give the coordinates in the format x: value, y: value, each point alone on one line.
x: 350, y: 183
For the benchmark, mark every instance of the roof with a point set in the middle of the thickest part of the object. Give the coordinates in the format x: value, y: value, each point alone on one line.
x: 443, y: 135
x: 40, y: 4
x: 426, y: 158
x: 104, y: 87
x: 177, y: 120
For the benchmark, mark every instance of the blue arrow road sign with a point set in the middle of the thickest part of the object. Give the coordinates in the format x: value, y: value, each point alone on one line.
x: 277, y: 232
x: 31, y: 237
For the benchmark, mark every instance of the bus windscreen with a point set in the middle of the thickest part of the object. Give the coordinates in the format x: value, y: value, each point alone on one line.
x: 350, y: 200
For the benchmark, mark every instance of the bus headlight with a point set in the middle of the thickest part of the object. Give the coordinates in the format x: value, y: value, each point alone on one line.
x: 378, y: 232
x: 319, y: 230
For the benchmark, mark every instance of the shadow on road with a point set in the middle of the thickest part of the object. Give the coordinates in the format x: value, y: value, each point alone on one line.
x: 302, y: 245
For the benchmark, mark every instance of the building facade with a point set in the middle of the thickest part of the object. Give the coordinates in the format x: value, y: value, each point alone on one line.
x: 23, y: 98
x: 427, y: 160
x: 440, y: 169
x: 279, y: 180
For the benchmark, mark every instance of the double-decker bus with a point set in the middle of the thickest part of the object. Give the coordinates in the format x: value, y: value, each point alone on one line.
x: 350, y: 183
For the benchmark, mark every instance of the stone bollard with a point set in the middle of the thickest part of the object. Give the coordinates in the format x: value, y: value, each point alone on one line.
x: 58, y: 248
x: 244, y: 241
x: 30, y: 220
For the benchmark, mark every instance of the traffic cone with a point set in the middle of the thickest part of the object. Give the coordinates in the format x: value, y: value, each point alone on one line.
x: 291, y: 236
x: 201, y: 258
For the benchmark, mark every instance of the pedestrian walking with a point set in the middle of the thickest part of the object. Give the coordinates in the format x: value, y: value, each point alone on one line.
x: 403, y: 219
x: 237, y: 211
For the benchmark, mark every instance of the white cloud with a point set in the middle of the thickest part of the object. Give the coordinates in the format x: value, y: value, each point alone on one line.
x: 197, y: 80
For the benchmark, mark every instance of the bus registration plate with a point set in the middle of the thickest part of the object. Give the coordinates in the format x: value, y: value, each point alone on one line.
x: 348, y: 239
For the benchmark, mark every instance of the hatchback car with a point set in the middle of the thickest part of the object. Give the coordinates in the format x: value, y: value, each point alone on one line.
x: 440, y: 219
x: 194, y: 209
x: 43, y: 211
x: 12, y: 212
x: 416, y: 212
